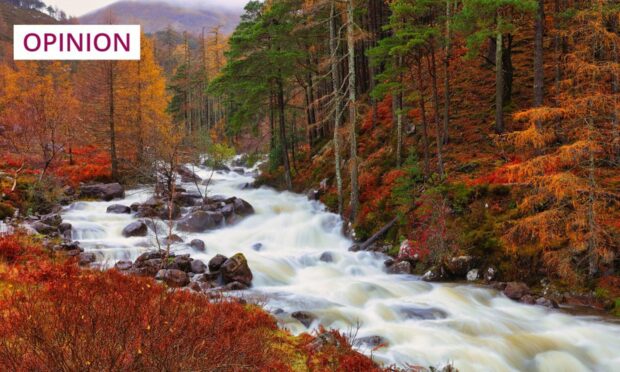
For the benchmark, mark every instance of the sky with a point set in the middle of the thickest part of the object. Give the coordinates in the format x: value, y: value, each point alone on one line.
x: 80, y: 7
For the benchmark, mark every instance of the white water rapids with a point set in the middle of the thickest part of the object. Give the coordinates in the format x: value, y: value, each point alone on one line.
x: 427, y: 324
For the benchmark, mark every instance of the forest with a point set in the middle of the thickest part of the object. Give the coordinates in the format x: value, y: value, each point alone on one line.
x: 473, y: 142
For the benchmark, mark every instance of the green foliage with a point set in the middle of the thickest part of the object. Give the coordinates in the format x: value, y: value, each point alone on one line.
x: 38, y: 196
x: 412, y: 26
x: 263, y: 52
x: 6, y: 211
x: 458, y: 194
x: 479, y: 20
x: 403, y: 193
x: 218, y: 154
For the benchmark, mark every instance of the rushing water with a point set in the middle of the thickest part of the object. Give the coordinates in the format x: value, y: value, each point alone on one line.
x: 474, y: 328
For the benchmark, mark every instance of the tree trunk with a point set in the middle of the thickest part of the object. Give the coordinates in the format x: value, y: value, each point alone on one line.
x: 352, y: 111
x: 333, y: 49
x: 446, y: 76
x: 398, y: 111
x: 539, y: 72
x: 283, y: 141
x: 438, y: 135
x: 424, y: 120
x: 499, y: 84
x: 111, y: 113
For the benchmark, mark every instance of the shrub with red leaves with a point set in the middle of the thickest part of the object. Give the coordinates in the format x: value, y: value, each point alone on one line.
x: 108, y: 321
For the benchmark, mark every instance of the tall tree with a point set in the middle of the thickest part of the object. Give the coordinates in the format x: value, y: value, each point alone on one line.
x: 354, y: 201
x: 483, y: 20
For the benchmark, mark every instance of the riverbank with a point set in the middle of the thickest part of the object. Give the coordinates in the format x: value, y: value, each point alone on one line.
x: 305, y: 275
x: 55, y: 315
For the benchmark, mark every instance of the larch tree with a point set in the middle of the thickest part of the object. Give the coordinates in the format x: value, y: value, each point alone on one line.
x: 569, y: 213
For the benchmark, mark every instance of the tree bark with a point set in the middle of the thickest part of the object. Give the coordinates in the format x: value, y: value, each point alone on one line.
x: 446, y: 76
x: 283, y: 141
x: 337, y: 103
x: 539, y: 73
x: 438, y: 135
x: 352, y: 112
x: 499, y: 84
x: 111, y: 124
x: 424, y: 120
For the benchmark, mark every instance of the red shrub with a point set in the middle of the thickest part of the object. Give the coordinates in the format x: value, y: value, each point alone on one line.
x: 14, y: 249
x: 108, y: 321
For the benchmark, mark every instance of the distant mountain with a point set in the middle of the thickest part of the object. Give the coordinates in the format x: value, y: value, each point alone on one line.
x: 158, y: 15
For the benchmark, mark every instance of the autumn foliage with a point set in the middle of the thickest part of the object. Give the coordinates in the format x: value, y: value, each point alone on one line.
x: 55, y: 316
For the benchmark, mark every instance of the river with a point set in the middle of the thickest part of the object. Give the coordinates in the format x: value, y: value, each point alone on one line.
x: 427, y: 324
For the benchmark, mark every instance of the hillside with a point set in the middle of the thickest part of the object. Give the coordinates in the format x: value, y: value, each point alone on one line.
x: 11, y: 15
x: 157, y: 16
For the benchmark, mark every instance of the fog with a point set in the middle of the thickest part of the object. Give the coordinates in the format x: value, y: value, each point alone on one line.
x: 80, y: 7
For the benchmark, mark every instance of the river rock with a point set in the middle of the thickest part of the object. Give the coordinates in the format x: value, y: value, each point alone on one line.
x: 313, y: 195
x: 118, y: 209
x: 235, y: 286
x: 181, y: 262
x: 542, y: 301
x: 402, y: 267
x: 423, y: 313
x: 516, y: 290
x: 216, y: 263
x: 528, y: 299
x: 236, y: 269
x: 86, y: 258
x: 188, y: 175
x: 326, y: 257
x: 43, y: 228
x: 198, y: 245
x: 242, y: 208
x: 123, y: 265
x: 52, y: 219
x: 238, y: 170
x: 173, y: 277
x: 137, y: 228
x: 304, y: 317
x: 172, y: 239
x: 373, y: 341
x: 472, y: 275
x: 460, y: 266
x: 198, y: 267
x: 102, y: 191
x: 188, y: 199
x: 199, y: 221
x: 490, y: 274
x: 435, y: 273
x: 64, y: 227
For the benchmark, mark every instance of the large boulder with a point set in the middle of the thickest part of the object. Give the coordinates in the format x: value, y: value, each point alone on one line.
x: 198, y: 245
x: 102, y: 191
x: 52, y: 219
x: 198, y: 267
x: 199, y: 221
x: 43, y: 228
x: 460, y: 266
x: 236, y: 269
x: 137, y: 228
x: 118, y: 209
x: 516, y: 290
x: 173, y: 277
x: 216, y: 263
x: 241, y: 207
x: 402, y: 267
x: 304, y: 317
x: 187, y: 175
